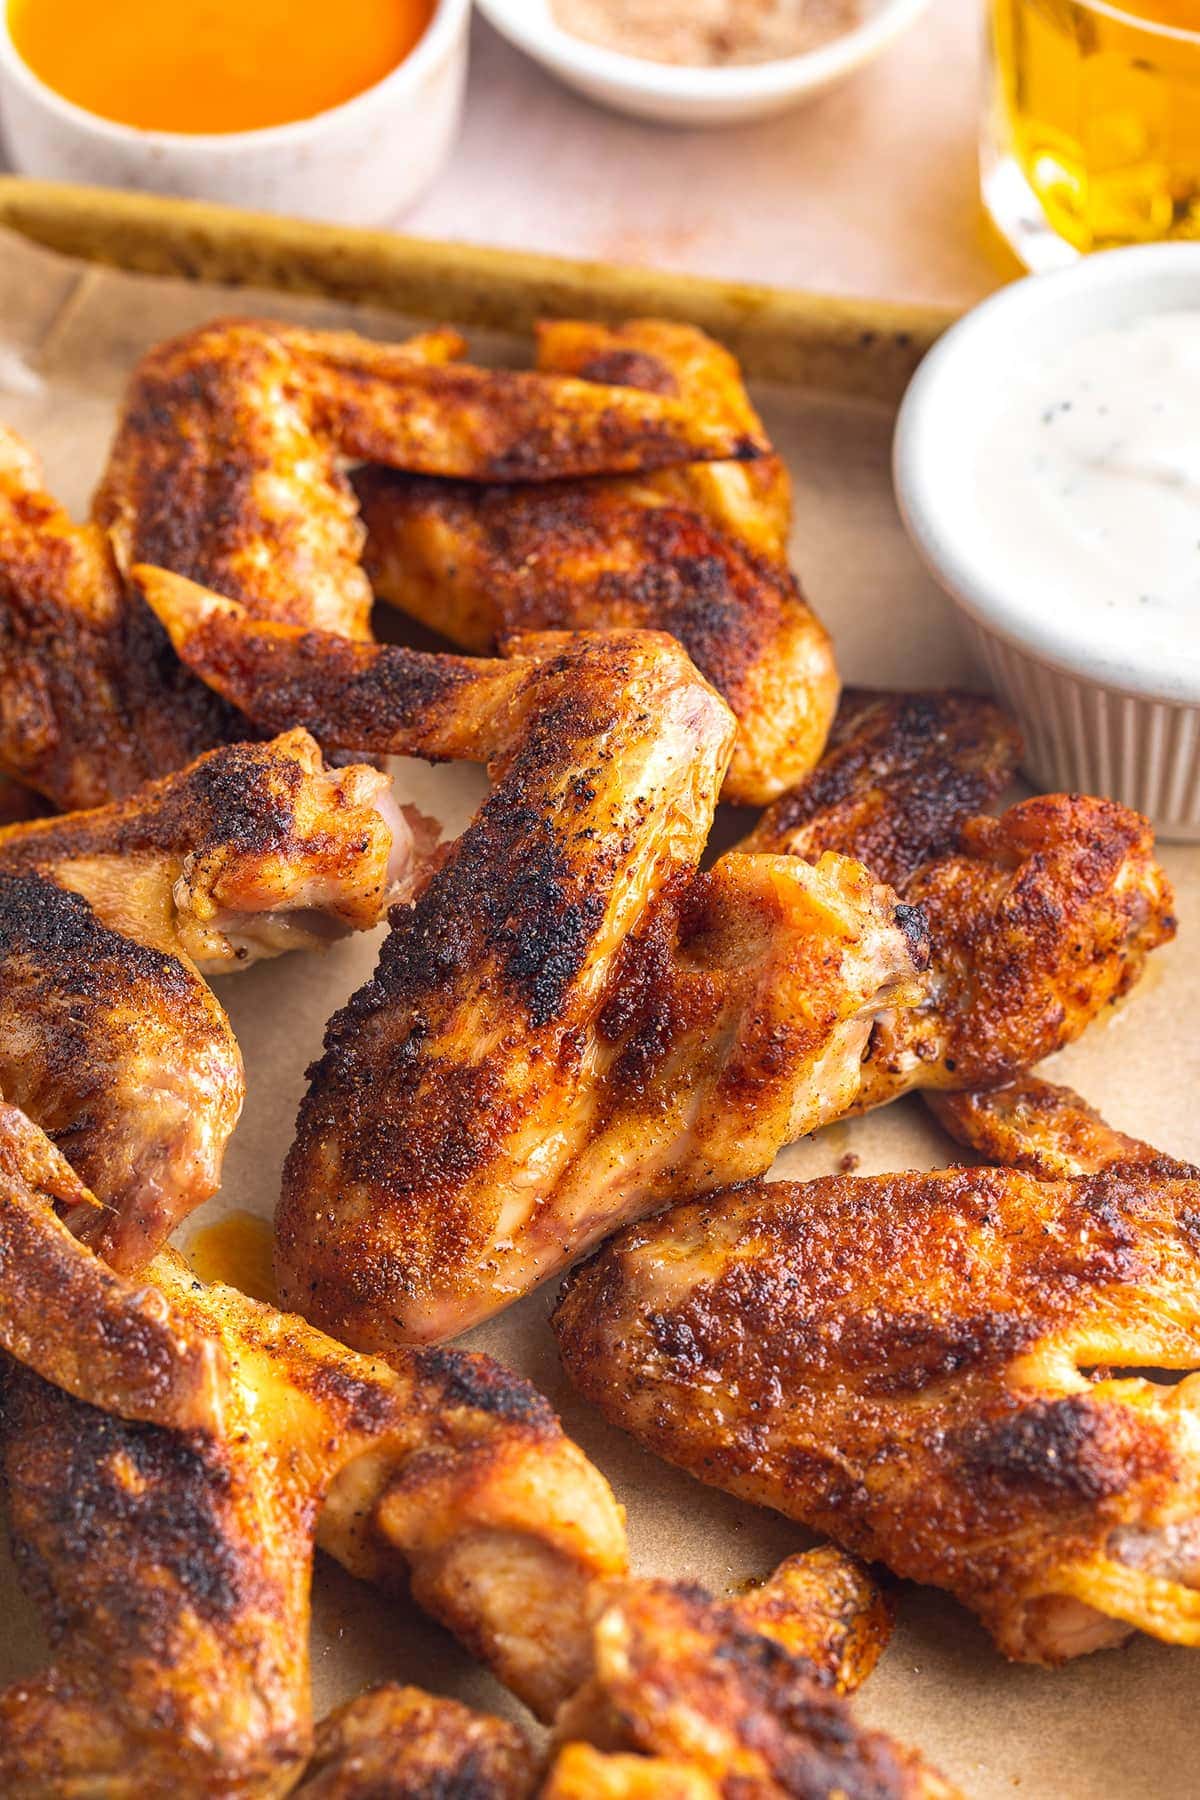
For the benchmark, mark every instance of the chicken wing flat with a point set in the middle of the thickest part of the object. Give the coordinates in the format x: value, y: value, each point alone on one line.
x: 478, y: 564
x: 567, y: 1027
x: 901, y: 775
x: 227, y: 462
x: 1048, y: 1131
x: 93, y: 701
x: 928, y: 1368
x: 398, y: 1743
x: 750, y: 502
x: 683, y: 1679
x: 697, y: 551
x: 252, y: 850
x: 122, y: 1054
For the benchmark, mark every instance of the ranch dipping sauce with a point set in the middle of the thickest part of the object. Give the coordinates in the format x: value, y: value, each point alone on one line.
x: 1087, y: 476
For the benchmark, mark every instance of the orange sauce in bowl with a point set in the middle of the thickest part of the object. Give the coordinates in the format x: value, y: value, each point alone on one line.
x: 213, y: 65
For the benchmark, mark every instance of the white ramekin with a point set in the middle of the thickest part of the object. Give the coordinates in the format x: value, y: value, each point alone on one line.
x: 1100, y: 713
x: 361, y: 163
x: 671, y: 95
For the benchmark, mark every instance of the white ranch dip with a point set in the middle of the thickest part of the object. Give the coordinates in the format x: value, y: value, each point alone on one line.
x: 1087, y: 478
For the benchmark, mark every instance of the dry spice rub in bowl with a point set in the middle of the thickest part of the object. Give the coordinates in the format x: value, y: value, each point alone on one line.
x: 1048, y: 469
x: 717, y: 62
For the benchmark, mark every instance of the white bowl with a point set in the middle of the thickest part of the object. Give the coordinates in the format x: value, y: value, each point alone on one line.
x: 360, y: 163
x: 674, y: 95
x: 1108, y: 701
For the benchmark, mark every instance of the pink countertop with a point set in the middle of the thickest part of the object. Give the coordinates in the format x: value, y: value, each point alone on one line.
x: 871, y: 189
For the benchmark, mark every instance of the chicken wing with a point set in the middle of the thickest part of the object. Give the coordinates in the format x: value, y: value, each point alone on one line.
x: 750, y: 502
x: 93, y: 701
x: 401, y: 1744
x: 681, y: 1678
x: 66, y: 1315
x: 1048, y: 1131
x: 929, y: 1368
x: 227, y: 462
x: 175, y: 1577
x: 252, y: 850
x: 693, y: 551
x: 618, y: 1030
x: 567, y: 1027
x: 901, y: 775
x: 663, y: 1659
x: 122, y: 1054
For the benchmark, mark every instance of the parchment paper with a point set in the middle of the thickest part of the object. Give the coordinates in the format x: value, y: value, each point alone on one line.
x: 1122, y: 1723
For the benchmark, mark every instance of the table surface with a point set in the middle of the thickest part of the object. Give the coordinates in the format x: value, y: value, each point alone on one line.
x: 870, y: 189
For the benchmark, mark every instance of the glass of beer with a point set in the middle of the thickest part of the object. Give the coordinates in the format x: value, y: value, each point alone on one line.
x: 1091, y: 135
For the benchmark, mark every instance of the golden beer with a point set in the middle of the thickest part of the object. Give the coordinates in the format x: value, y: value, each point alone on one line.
x: 1092, y: 137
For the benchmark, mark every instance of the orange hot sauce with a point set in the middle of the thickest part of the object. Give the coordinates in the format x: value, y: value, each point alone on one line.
x: 213, y: 65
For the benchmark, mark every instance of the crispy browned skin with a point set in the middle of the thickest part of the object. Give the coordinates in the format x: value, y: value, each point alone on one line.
x: 729, y: 1017
x: 929, y: 1367
x: 1048, y: 1131
x: 173, y: 1566
x: 227, y: 463
x: 66, y: 1315
x: 697, y: 551
x: 1037, y: 922
x: 680, y: 1677
x: 93, y: 701
x: 398, y: 1743
x: 750, y: 502
x: 478, y: 564
x: 251, y: 850
x: 568, y: 1027
x: 825, y: 1607
x: 901, y: 775
x: 122, y: 1054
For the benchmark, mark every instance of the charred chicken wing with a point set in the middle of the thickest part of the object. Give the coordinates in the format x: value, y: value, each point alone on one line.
x: 93, y: 701
x: 694, y: 550
x: 939, y: 1371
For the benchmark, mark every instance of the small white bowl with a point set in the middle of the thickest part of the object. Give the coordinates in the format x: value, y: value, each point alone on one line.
x: 361, y: 163
x: 673, y: 95
x: 1108, y: 702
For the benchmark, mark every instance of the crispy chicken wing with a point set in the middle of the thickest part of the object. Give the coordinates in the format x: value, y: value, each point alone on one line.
x: 252, y: 850
x: 65, y: 1314
x: 1048, y: 1131
x: 686, y: 1699
x: 122, y: 1054
x: 568, y: 1027
x: 1037, y: 922
x: 227, y: 463
x: 628, y: 1031
x: 680, y: 1677
x: 693, y: 551
x: 175, y: 1573
x: 398, y: 1743
x: 901, y: 775
x: 750, y: 502
x: 826, y: 1608
x: 929, y: 1368
x: 93, y: 701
